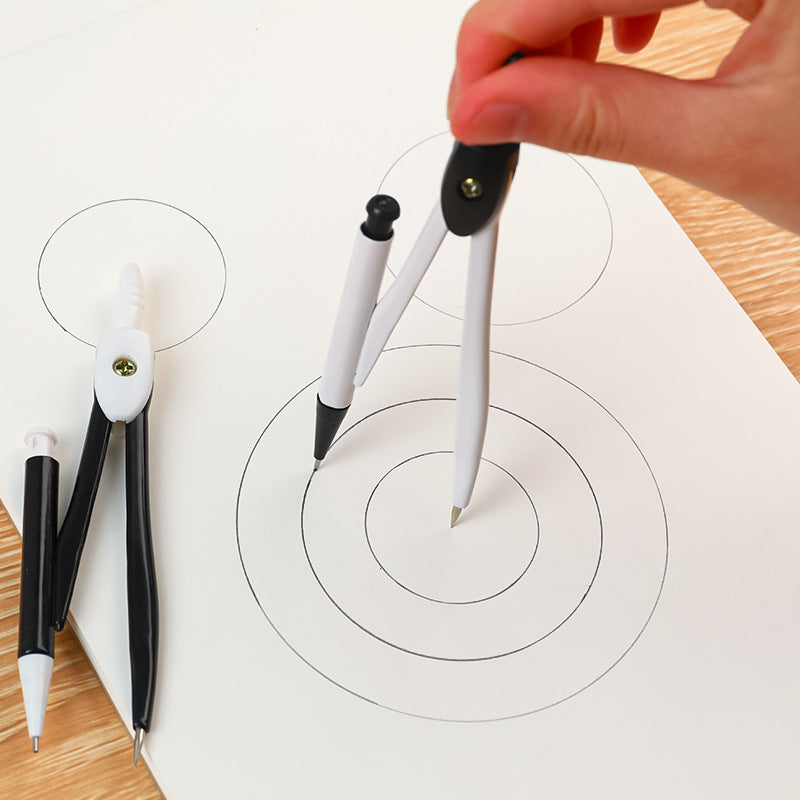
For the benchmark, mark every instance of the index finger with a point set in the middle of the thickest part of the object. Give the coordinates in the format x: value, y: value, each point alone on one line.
x: 494, y: 29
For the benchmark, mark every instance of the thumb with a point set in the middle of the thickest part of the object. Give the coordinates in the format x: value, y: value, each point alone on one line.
x: 610, y: 112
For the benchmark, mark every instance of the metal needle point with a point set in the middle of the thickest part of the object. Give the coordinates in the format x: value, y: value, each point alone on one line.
x: 137, y: 745
x: 35, y: 744
x: 317, y: 462
x: 454, y: 515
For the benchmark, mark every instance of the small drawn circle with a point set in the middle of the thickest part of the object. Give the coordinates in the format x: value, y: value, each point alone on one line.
x: 184, y: 269
x: 573, y: 615
x: 556, y: 233
x: 476, y: 566
x: 571, y: 544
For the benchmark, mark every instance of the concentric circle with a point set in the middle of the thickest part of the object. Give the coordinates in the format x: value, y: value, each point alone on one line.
x: 408, y: 621
x: 454, y: 566
x: 357, y: 570
x: 183, y: 267
x: 552, y: 196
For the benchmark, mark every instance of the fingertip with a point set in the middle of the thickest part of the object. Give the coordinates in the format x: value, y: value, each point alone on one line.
x: 460, y: 117
x: 493, y: 122
x: 632, y: 34
x: 453, y: 94
x: 459, y: 123
x: 483, y: 44
x: 601, y: 110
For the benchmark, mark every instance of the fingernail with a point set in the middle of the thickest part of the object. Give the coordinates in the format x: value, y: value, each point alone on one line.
x: 499, y: 122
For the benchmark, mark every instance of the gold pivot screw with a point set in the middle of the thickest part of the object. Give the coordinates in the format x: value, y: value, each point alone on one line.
x: 471, y: 188
x: 124, y: 367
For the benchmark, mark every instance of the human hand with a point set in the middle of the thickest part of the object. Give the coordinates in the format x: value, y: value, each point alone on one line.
x: 737, y: 134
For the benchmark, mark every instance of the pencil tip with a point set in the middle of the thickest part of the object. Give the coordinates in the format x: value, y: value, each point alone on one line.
x: 137, y: 745
x: 317, y: 462
x: 35, y: 743
x: 454, y: 515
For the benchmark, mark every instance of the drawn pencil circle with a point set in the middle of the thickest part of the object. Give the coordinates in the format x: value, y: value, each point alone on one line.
x: 310, y: 570
x: 551, y: 196
x: 378, y: 610
x: 182, y: 263
x: 389, y: 541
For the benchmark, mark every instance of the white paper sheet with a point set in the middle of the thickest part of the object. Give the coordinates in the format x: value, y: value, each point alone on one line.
x: 615, y: 613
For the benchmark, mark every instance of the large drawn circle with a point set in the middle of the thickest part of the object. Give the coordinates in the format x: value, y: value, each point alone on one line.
x: 449, y: 566
x: 556, y: 233
x: 585, y: 599
x: 182, y: 264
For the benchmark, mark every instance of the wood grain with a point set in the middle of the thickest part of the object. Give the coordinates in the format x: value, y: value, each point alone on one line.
x: 757, y: 261
x: 86, y: 750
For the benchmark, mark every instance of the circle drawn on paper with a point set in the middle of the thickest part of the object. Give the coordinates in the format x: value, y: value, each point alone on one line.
x: 468, y: 568
x: 556, y: 233
x: 473, y: 637
x: 402, y: 629
x: 184, y: 269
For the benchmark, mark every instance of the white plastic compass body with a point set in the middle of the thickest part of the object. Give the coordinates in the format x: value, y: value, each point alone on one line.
x: 123, y: 373
x: 474, y: 188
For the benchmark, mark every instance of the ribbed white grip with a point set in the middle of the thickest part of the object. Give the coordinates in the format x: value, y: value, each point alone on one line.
x: 129, y: 306
x: 40, y: 442
x: 123, y: 367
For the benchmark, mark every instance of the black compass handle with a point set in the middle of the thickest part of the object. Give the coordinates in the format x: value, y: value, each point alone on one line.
x: 72, y: 536
x: 142, y: 591
x: 476, y: 181
x: 475, y: 184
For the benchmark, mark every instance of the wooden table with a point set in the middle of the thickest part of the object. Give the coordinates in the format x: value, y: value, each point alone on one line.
x: 86, y: 750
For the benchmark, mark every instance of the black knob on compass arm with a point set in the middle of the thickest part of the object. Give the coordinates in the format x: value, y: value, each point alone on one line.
x: 382, y: 211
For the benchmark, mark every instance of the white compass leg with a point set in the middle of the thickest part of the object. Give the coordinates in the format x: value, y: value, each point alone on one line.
x: 472, y: 407
x: 391, y: 306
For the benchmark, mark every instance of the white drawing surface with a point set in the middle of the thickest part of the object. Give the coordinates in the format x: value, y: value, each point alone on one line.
x: 614, y: 615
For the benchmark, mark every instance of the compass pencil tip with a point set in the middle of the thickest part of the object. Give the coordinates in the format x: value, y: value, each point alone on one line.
x: 137, y: 745
x: 454, y: 515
